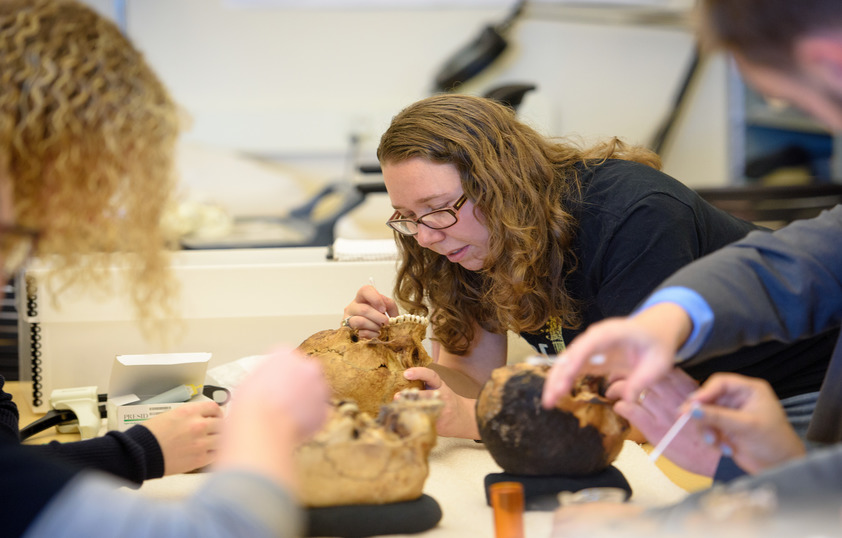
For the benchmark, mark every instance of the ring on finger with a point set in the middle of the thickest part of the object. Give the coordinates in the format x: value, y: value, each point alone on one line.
x: 346, y: 322
x: 642, y: 396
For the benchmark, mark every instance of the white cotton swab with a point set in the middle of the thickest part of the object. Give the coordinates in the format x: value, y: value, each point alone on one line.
x: 672, y: 432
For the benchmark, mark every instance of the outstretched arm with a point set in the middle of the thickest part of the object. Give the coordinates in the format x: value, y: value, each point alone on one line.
x: 783, y: 285
x: 178, y: 441
x: 250, y: 492
x: 641, y: 348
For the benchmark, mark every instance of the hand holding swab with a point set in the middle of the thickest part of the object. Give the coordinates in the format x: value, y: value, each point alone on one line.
x: 672, y: 432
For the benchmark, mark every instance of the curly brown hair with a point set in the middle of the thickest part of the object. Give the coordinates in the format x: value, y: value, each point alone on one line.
x: 87, y: 136
x: 526, y: 187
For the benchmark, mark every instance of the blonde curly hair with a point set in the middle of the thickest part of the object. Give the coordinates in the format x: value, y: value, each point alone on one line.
x: 526, y: 187
x: 87, y: 135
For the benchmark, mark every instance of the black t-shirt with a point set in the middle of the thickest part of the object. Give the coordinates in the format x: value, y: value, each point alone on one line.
x: 636, y: 227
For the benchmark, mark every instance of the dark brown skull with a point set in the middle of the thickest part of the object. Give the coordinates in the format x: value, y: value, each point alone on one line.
x: 370, y: 372
x: 581, y: 436
x: 355, y: 459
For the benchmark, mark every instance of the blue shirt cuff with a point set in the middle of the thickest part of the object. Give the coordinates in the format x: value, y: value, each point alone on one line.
x: 701, y: 316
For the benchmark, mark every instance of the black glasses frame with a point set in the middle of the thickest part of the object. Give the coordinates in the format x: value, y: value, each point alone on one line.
x: 396, y: 219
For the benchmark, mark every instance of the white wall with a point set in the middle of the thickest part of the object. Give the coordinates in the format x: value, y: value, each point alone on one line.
x: 294, y: 84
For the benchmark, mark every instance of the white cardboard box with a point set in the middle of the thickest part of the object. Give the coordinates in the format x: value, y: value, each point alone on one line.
x: 234, y: 304
x: 138, y: 377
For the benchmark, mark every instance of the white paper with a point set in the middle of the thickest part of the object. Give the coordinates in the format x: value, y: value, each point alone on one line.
x: 151, y: 374
x: 364, y: 249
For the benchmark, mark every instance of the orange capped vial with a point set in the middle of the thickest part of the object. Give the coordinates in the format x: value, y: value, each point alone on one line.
x: 507, y: 503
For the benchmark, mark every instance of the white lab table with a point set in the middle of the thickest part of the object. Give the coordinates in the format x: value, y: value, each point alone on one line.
x: 457, y: 470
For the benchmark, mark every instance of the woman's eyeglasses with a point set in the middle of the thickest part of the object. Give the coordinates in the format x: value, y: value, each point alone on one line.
x: 17, y: 243
x: 437, y: 220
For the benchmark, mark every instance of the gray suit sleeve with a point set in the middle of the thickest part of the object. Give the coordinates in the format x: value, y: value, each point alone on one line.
x: 805, y: 500
x: 781, y: 285
x: 229, y: 504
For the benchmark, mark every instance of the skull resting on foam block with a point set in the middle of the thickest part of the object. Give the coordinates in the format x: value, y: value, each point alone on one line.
x: 355, y: 459
x: 370, y: 372
x: 582, y: 435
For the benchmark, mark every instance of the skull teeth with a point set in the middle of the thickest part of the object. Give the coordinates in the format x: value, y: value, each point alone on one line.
x: 408, y: 394
x: 412, y: 318
x: 347, y: 407
x: 413, y: 393
x: 423, y: 399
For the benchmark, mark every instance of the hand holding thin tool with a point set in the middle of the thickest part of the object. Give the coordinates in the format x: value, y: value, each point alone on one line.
x: 672, y: 432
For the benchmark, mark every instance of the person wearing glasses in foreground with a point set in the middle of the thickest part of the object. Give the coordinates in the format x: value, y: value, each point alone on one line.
x: 784, y: 285
x: 87, y: 135
x: 501, y: 229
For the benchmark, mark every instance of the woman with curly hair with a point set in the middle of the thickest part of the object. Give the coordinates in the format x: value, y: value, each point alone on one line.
x: 502, y: 229
x: 87, y: 134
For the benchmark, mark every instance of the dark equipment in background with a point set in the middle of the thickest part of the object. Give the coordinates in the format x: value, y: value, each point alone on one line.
x: 8, y: 333
x: 777, y: 205
x: 483, y: 50
x: 302, y: 227
x: 477, y: 55
x: 662, y: 136
x: 510, y: 95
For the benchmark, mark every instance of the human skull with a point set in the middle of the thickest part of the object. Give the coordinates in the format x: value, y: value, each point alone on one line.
x: 370, y: 372
x: 582, y: 435
x: 355, y: 459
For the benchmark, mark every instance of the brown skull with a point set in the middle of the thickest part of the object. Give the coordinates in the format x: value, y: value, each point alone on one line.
x: 355, y: 459
x: 370, y: 372
x: 581, y: 436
